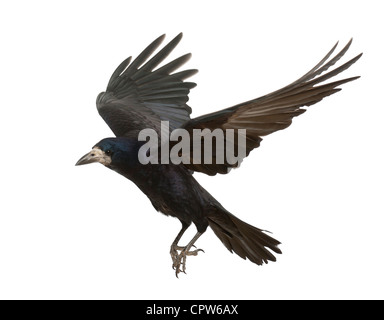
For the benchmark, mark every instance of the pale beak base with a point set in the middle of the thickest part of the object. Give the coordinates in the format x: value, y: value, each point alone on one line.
x: 95, y: 155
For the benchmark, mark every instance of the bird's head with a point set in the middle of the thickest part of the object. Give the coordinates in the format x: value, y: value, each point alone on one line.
x: 112, y: 151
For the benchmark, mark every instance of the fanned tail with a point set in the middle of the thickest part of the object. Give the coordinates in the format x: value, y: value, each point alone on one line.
x: 240, y: 237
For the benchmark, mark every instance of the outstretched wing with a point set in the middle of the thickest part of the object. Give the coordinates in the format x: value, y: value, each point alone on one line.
x: 139, y: 97
x: 271, y: 112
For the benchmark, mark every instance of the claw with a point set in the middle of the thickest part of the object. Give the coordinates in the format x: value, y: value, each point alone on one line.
x: 179, y: 260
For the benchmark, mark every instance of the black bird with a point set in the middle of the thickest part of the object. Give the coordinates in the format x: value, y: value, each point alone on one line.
x: 139, y: 96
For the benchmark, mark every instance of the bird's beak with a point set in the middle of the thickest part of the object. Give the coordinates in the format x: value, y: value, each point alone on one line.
x: 95, y: 155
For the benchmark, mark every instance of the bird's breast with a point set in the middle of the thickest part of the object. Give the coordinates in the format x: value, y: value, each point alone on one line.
x: 171, y: 189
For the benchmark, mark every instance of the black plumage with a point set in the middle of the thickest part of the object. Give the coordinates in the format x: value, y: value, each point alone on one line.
x: 139, y: 96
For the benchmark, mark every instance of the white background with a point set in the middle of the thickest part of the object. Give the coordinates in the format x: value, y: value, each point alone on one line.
x: 71, y: 232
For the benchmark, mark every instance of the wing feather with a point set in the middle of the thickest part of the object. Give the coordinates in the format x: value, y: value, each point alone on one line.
x: 271, y: 112
x: 139, y: 97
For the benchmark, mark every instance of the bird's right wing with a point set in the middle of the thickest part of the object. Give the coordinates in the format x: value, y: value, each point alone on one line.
x: 269, y: 113
x: 138, y: 96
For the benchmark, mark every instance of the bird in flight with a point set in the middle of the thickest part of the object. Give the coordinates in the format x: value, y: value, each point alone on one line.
x: 140, y: 96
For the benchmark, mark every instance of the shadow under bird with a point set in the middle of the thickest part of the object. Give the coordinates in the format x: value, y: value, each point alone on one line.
x: 139, y: 96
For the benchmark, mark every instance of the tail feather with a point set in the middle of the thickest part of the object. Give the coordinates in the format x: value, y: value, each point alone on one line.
x: 245, y: 240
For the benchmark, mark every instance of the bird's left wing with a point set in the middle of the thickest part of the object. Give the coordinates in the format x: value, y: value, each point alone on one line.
x: 139, y: 97
x: 269, y: 113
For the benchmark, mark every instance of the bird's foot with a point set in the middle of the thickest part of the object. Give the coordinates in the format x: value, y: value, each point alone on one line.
x: 174, y: 254
x: 179, y: 259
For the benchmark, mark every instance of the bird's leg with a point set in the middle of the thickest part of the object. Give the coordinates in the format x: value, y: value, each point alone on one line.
x: 181, y: 259
x: 174, y: 245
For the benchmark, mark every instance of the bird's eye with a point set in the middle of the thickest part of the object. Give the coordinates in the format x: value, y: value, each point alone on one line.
x: 108, y: 152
